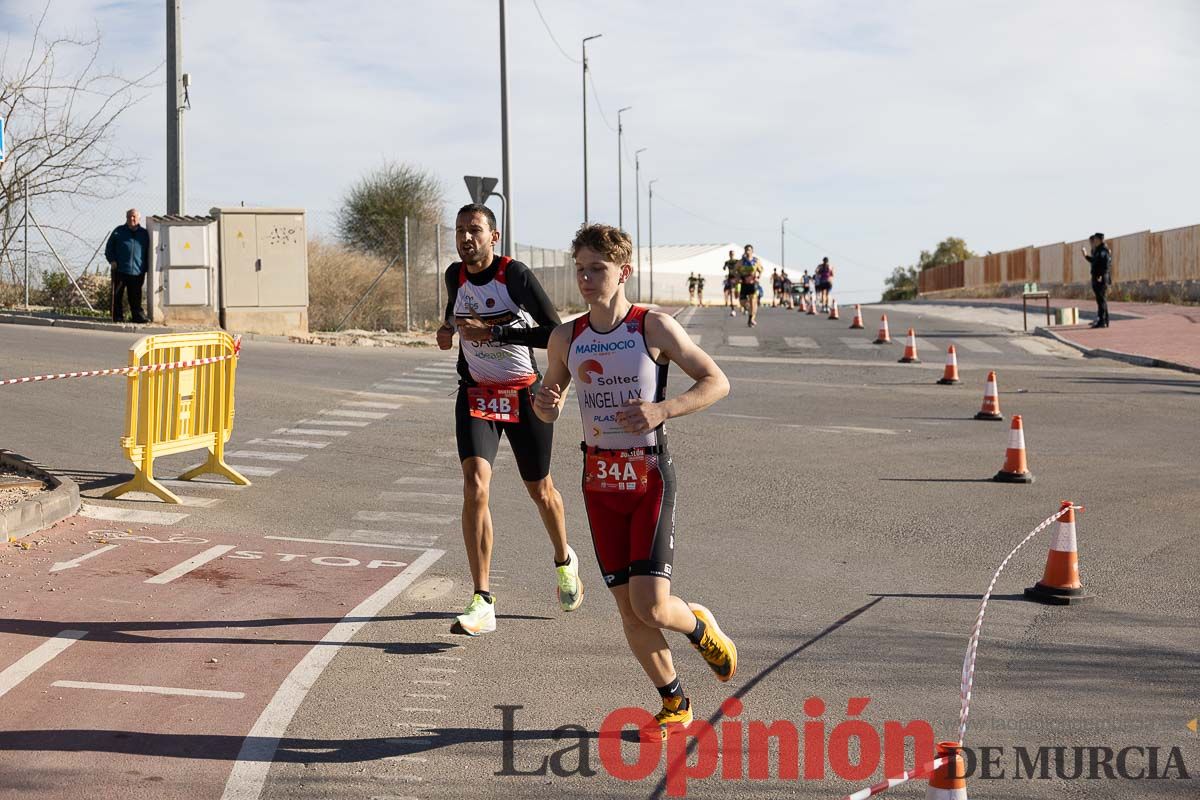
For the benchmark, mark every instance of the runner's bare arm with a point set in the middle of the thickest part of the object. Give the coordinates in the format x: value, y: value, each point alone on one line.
x: 667, y: 336
x: 548, y: 402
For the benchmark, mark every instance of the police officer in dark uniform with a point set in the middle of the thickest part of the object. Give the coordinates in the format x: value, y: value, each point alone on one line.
x: 1101, y: 261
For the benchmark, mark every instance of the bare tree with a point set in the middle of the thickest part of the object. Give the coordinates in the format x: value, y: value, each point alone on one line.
x: 61, y: 111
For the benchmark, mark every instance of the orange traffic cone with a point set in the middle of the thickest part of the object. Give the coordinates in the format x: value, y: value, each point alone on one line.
x: 833, y: 312
x: 910, y: 349
x: 991, y: 400
x: 883, y: 337
x: 812, y: 306
x: 1015, y: 470
x: 950, y: 376
x: 1060, y: 585
x: 857, y: 324
x: 948, y: 782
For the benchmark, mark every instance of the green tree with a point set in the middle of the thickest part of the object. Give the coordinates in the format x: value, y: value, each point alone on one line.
x: 372, y: 213
x: 902, y: 284
x: 949, y: 251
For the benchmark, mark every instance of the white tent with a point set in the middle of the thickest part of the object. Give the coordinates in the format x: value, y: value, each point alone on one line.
x: 673, y: 263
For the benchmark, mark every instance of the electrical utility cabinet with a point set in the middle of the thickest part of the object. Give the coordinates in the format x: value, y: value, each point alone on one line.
x: 182, y: 275
x: 263, y: 253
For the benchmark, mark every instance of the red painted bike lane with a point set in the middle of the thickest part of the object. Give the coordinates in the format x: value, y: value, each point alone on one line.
x: 167, y: 664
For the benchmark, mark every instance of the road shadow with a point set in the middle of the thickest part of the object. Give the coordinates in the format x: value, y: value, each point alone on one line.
x: 1130, y: 381
x: 950, y: 596
x: 140, y: 631
x: 939, y: 480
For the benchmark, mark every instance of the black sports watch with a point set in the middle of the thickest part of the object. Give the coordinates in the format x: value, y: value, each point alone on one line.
x: 499, y: 333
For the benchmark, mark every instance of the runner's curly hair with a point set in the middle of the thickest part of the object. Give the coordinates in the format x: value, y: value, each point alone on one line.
x: 609, y: 241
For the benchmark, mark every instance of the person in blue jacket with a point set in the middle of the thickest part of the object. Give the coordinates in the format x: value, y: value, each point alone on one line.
x: 128, y: 254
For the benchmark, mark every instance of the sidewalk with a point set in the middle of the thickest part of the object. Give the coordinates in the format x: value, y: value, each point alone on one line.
x: 1149, y: 334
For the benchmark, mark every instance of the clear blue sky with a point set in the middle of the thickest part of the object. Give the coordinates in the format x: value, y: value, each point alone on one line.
x: 878, y: 128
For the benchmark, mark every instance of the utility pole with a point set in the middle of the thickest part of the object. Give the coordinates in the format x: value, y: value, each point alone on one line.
x: 782, y: 259
x: 637, y: 180
x: 175, y: 191
x: 585, y: 164
x: 620, y: 188
x: 26, y: 243
x: 505, y: 175
x: 650, y: 219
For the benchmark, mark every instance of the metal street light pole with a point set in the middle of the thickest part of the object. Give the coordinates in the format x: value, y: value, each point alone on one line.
x: 505, y: 174
x: 637, y: 180
x: 650, y: 220
x: 782, y: 259
x: 175, y: 189
x: 620, y: 191
x: 585, y: 163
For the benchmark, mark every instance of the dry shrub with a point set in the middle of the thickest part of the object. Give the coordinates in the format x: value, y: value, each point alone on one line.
x: 11, y: 294
x: 339, y: 276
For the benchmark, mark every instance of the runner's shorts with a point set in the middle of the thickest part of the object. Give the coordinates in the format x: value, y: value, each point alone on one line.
x: 749, y: 290
x: 824, y: 287
x: 634, y: 532
x: 532, y: 440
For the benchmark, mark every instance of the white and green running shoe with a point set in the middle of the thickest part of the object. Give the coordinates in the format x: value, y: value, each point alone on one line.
x: 480, y: 617
x: 570, y: 588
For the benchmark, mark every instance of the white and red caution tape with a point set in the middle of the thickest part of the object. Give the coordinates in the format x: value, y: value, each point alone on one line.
x: 968, y: 668
x: 237, y: 346
x: 904, y: 777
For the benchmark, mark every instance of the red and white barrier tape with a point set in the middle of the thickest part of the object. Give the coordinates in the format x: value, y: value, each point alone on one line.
x: 237, y: 347
x: 968, y: 668
x: 903, y: 777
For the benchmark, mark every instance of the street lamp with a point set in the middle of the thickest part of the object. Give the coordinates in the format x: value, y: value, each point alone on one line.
x: 650, y: 220
x: 637, y: 180
x: 507, y: 244
x: 585, y: 164
x: 782, y: 260
x: 620, y: 193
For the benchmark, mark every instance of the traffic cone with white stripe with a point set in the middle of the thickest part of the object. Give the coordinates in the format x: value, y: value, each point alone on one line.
x: 910, y: 349
x: 883, y: 337
x: 950, y: 376
x: 1060, y: 584
x: 991, y: 400
x: 948, y: 782
x: 1015, y: 470
x: 857, y: 324
x: 812, y: 306
x: 833, y: 311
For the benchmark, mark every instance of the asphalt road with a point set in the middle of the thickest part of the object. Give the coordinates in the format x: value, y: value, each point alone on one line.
x: 835, y: 513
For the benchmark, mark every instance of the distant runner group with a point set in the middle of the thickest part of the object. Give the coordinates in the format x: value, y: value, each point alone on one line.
x: 619, y: 355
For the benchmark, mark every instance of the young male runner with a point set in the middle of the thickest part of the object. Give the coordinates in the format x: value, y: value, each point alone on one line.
x: 700, y: 290
x: 824, y: 283
x: 748, y: 270
x: 692, y: 289
x: 620, y: 354
x: 501, y: 313
x: 731, y: 282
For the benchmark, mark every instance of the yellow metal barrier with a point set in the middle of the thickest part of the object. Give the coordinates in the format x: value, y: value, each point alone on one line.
x: 177, y: 409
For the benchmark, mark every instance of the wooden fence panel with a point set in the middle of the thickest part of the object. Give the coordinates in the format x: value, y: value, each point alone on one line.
x: 1050, y: 263
x: 1181, y: 253
x: 973, y: 272
x: 1131, y: 257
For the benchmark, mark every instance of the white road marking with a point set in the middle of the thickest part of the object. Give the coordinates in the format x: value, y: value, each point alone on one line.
x: 436, y: 481
x: 249, y: 773
x: 345, y: 423
x: 289, y: 443
x: 402, y: 387
x: 37, y: 658
x: 338, y: 541
x: 439, y: 683
x: 801, y: 341
x: 856, y: 344
x: 443, y: 670
x: 448, y: 369
x: 341, y: 412
x: 397, y: 539
x: 443, y: 658
x: 421, y: 497
x: 184, y: 500
x: 413, y: 517
x: 172, y: 483
x: 975, y: 346
x: 266, y: 456
x: 391, y: 396
x: 848, y: 429
x: 742, y: 341
x: 405, y: 379
x: 1034, y: 346
x: 187, y: 565
x: 74, y: 562
x: 130, y: 515
x: 412, y: 710
x: 129, y: 687
x: 427, y: 696
x: 372, y: 404
x: 255, y: 472
x: 311, y: 432
x: 739, y: 416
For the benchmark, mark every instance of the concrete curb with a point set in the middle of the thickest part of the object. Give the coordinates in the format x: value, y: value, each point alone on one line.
x: 31, y: 516
x: 1116, y: 355
x: 966, y: 303
x: 17, y: 318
